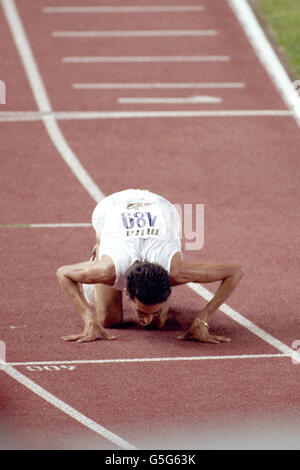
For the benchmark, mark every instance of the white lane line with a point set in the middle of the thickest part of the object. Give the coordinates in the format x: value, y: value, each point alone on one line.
x: 59, y: 225
x: 124, y: 9
x: 133, y: 34
x: 168, y: 100
x: 150, y: 359
x: 149, y: 86
x: 64, y: 407
x: 144, y: 59
x: 234, y: 315
x: 56, y: 225
x: 73, y: 115
x: 42, y: 100
x: 267, y: 55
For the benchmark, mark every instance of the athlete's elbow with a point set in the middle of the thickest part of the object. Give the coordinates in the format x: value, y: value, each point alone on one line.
x: 238, y: 273
x: 61, y: 274
x: 179, y: 276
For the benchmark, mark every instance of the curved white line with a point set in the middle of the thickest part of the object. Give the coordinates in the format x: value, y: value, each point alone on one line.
x: 64, y: 407
x: 41, y: 98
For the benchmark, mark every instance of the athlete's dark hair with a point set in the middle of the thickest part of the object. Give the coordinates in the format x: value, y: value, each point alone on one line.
x: 148, y: 282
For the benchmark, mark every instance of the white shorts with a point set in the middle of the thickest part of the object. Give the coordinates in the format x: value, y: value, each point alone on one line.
x: 136, y: 213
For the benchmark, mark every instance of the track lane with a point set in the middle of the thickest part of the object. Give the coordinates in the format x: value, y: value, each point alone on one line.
x: 216, y: 243
x: 36, y: 185
x: 59, y: 77
x: 143, y: 409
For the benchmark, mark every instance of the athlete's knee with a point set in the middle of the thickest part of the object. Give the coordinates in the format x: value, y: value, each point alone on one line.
x: 109, y: 320
x: 110, y: 314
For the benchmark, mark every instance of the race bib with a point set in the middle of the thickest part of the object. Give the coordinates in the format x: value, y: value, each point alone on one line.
x: 140, y: 220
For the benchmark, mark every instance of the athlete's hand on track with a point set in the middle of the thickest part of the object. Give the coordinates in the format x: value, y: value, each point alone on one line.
x: 200, y: 332
x: 90, y: 333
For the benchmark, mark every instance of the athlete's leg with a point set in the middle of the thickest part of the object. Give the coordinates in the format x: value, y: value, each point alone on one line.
x: 107, y: 300
x: 108, y: 305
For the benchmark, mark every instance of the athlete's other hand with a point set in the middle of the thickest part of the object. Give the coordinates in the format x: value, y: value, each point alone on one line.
x: 91, y: 332
x: 200, y: 332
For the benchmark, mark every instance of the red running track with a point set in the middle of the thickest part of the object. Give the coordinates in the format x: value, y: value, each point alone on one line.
x: 172, y: 394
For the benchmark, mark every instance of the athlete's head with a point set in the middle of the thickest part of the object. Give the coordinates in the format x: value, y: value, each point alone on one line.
x: 148, y: 282
x: 148, y: 286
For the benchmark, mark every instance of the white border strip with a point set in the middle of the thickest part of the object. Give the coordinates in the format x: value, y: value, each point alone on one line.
x: 64, y: 407
x: 266, y: 54
x: 42, y: 100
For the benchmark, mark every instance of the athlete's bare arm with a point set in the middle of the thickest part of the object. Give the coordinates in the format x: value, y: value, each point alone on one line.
x: 229, y: 275
x: 90, y: 272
